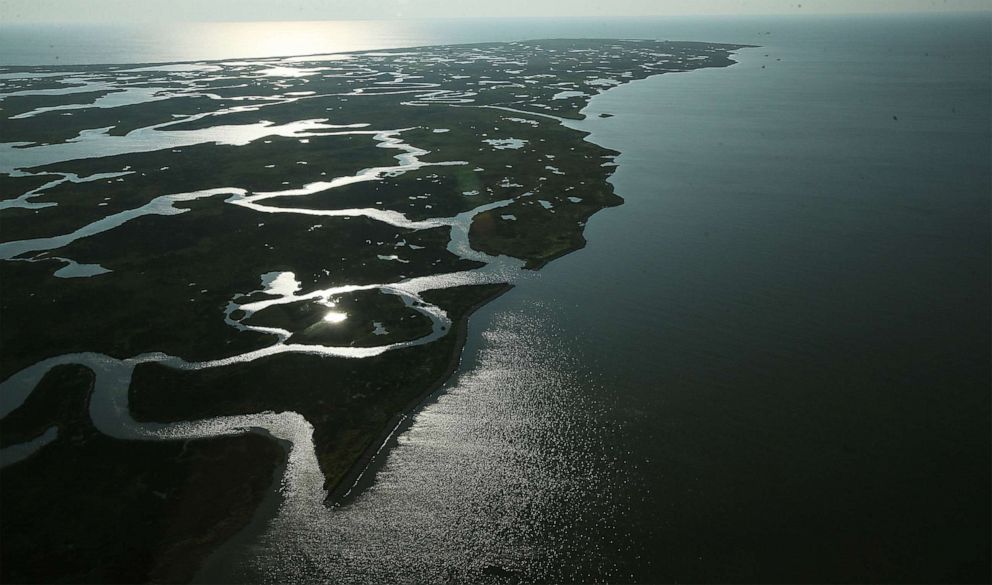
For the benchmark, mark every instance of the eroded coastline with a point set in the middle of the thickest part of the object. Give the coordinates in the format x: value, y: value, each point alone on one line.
x: 284, y: 237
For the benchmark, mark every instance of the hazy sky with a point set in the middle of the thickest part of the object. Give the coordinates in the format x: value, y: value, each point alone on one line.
x: 108, y: 10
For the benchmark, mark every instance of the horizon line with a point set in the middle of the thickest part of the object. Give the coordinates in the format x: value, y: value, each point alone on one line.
x: 919, y: 12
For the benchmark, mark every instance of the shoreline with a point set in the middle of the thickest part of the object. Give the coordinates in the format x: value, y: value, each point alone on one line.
x: 374, y: 456
x: 211, y: 563
x: 355, y: 482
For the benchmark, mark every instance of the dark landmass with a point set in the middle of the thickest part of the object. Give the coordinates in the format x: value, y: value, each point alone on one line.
x: 91, y: 509
x: 451, y: 129
x: 183, y: 270
x: 349, y: 402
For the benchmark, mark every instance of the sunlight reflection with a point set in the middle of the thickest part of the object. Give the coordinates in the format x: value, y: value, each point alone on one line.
x: 335, y: 316
x: 291, y: 38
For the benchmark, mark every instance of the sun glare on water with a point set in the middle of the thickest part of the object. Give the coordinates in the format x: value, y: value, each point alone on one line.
x: 271, y: 39
x: 335, y: 316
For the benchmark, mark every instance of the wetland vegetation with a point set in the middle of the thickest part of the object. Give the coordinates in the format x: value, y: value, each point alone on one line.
x: 274, y: 260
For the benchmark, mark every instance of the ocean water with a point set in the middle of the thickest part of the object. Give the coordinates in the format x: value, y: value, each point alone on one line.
x: 770, y: 364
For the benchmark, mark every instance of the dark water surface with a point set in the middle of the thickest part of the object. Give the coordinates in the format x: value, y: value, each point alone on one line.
x: 770, y: 364
x: 793, y: 308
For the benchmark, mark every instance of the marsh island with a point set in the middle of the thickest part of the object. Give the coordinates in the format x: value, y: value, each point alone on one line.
x: 221, y: 279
